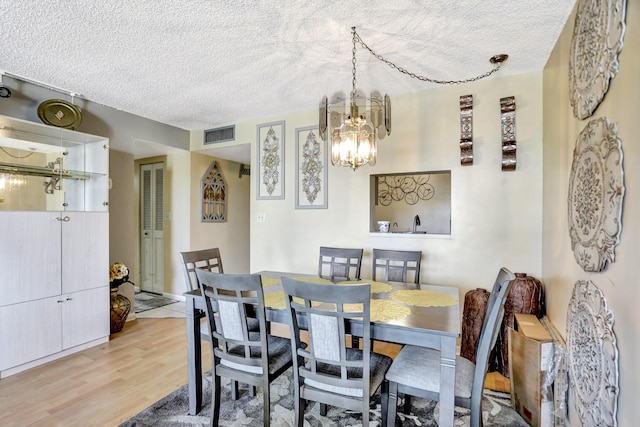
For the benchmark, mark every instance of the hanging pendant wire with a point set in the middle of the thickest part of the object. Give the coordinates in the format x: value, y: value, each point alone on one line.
x: 353, y: 143
x: 497, y: 60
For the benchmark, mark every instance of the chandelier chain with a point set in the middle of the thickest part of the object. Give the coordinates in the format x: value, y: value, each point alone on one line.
x: 353, y: 62
x: 356, y: 37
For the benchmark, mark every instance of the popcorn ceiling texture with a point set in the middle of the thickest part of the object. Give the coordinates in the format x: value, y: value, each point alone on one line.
x: 197, y: 64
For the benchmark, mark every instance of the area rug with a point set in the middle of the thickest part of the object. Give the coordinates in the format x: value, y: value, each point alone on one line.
x: 172, y: 410
x: 145, y: 301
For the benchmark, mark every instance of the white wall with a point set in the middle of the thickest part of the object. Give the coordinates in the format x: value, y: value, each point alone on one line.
x: 231, y: 236
x: 496, y: 216
x: 560, y: 270
x: 185, y: 232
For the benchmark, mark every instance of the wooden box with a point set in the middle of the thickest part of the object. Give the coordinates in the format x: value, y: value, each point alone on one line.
x: 531, y: 352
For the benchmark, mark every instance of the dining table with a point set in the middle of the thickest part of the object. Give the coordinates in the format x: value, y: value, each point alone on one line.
x: 404, y: 313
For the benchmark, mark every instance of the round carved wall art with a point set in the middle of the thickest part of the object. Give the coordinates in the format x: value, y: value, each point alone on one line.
x: 592, y: 356
x: 596, y: 192
x: 597, y: 40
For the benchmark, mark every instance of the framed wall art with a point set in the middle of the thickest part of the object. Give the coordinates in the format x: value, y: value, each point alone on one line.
x: 270, y: 159
x: 311, y: 169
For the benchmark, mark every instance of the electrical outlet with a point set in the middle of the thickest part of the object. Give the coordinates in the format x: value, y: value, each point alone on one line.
x: 262, y: 217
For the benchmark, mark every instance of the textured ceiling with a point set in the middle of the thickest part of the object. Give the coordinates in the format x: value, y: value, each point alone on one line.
x: 200, y: 64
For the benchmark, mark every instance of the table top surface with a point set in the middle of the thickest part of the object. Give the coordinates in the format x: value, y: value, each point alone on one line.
x: 441, y: 320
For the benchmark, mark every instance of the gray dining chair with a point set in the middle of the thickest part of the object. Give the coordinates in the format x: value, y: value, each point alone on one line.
x: 416, y: 370
x: 327, y: 371
x: 397, y: 266
x: 210, y: 260
x: 237, y: 353
x: 337, y: 264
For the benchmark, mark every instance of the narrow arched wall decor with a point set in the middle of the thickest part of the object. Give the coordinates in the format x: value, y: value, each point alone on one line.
x: 214, y: 195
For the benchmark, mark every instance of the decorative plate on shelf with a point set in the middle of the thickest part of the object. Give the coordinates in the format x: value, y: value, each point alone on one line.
x: 596, y: 192
x: 59, y: 113
x: 597, y: 40
x: 592, y: 356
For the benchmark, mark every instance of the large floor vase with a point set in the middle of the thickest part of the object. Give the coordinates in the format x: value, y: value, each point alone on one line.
x: 120, y: 307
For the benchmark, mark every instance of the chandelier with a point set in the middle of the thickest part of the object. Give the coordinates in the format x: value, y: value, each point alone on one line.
x: 354, y: 126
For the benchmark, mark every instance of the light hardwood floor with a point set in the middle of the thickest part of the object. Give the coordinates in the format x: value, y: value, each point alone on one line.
x: 105, y: 385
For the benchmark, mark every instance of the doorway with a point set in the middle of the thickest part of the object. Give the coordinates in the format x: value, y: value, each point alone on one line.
x: 152, y: 227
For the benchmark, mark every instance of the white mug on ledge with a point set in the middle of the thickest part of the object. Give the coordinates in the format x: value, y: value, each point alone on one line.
x: 383, y: 226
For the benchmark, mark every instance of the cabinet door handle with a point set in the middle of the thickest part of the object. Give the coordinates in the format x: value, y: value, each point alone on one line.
x: 69, y: 299
x: 60, y: 301
x: 65, y: 219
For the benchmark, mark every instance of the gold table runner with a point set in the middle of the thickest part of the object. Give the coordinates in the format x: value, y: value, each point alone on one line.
x: 270, y: 281
x: 319, y: 280
x: 382, y: 310
x: 376, y: 287
x: 276, y: 301
x: 424, y: 298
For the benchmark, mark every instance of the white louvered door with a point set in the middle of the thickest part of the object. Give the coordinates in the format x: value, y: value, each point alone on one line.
x: 151, y: 226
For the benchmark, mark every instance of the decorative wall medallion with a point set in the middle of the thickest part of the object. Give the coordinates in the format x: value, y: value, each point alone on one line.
x: 592, y: 356
x: 466, y: 130
x: 597, y: 40
x: 508, y: 119
x: 596, y: 192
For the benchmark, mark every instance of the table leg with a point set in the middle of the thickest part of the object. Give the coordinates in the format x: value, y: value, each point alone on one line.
x: 447, y: 381
x: 194, y: 357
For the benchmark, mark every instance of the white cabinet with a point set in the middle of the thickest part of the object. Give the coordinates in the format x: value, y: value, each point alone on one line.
x: 84, y: 317
x: 36, y: 329
x: 29, y: 331
x: 85, y: 250
x: 30, y: 256
x: 54, y: 249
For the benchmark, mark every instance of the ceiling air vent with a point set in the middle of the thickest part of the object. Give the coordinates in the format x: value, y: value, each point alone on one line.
x: 215, y: 136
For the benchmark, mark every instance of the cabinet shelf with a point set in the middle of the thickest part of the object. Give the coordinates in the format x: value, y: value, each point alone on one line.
x: 15, y: 169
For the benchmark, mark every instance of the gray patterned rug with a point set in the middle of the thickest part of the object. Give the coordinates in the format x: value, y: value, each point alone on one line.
x: 145, y: 301
x: 171, y: 411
